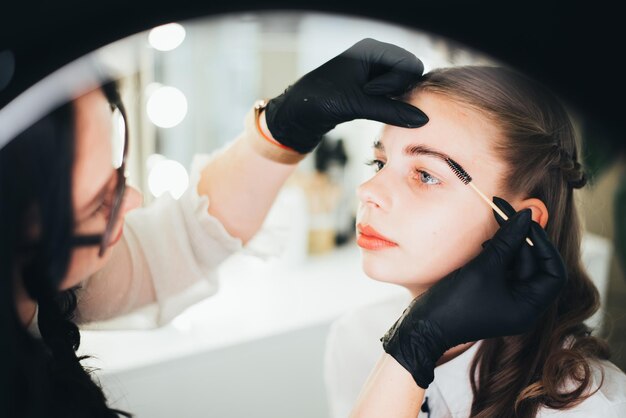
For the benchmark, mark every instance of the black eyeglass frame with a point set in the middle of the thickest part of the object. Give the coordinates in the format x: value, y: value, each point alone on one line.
x: 104, y: 239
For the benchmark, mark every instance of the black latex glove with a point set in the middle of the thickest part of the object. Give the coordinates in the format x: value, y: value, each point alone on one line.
x: 503, y: 291
x: 357, y: 84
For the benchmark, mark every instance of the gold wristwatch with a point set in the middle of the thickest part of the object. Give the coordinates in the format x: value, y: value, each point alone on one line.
x: 266, y: 146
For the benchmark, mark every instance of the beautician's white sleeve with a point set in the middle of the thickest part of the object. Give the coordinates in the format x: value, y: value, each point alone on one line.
x: 166, y: 261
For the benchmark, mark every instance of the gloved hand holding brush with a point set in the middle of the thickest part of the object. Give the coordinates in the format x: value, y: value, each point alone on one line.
x: 501, y: 292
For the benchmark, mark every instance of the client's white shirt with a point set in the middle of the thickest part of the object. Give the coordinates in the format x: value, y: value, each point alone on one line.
x: 353, y: 348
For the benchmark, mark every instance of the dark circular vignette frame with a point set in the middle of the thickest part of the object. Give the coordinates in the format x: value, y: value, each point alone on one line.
x: 574, y: 47
x: 570, y: 46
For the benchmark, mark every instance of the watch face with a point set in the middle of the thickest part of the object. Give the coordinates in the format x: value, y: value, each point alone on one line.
x: 260, y: 104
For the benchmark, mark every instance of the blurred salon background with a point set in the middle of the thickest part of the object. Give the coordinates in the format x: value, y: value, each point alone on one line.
x: 187, y: 87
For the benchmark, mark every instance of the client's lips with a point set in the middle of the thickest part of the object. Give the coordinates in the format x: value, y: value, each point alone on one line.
x: 370, y: 239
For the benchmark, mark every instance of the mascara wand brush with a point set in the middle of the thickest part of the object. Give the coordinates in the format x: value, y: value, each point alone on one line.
x: 467, y: 180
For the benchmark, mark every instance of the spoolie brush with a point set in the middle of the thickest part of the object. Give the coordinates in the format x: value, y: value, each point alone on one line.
x: 467, y: 180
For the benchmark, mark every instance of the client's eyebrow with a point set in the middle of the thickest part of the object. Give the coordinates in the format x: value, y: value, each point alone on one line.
x: 416, y: 150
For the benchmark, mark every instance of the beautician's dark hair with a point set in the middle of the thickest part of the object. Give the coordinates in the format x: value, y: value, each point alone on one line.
x: 514, y: 376
x: 42, y: 377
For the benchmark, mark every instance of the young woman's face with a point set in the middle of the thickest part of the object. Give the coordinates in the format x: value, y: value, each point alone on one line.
x: 94, y: 180
x: 429, y: 221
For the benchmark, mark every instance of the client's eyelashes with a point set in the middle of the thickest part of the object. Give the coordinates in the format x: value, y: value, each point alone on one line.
x: 426, y: 178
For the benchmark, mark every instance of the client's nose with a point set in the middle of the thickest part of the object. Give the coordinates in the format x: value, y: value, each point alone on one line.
x: 374, y: 193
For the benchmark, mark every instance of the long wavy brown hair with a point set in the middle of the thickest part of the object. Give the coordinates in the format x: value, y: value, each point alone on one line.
x: 550, y: 364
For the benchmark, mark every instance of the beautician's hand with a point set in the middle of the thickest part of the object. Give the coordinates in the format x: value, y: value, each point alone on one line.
x: 503, y: 291
x: 357, y: 84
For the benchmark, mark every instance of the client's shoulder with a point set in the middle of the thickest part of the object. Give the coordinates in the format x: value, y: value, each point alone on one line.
x: 607, y: 399
x: 608, y: 394
x: 611, y: 381
x: 373, y: 317
x: 367, y: 323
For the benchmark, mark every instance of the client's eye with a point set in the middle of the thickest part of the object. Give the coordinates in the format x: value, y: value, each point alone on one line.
x: 378, y: 164
x: 427, y: 179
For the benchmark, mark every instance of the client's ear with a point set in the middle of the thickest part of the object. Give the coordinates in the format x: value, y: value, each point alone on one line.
x: 538, y: 208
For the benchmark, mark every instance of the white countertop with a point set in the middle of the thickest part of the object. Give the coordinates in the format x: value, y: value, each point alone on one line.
x: 258, y: 298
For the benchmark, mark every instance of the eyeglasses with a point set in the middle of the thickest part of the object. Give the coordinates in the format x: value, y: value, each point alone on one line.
x: 119, y: 143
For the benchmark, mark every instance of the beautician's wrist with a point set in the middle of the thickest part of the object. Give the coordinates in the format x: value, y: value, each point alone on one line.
x: 261, y: 140
x: 416, y: 345
x: 263, y: 128
x: 265, y: 131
